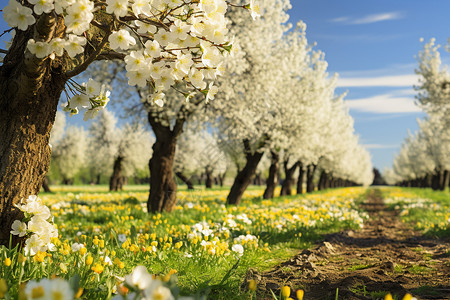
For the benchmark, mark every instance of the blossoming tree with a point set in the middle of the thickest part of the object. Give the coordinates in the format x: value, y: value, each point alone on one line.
x: 161, y: 41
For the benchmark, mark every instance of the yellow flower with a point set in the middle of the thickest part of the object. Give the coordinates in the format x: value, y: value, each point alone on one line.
x: 407, y: 297
x: 285, y: 291
x: 40, y: 256
x: 89, y: 260
x: 252, y: 285
x: 63, y: 267
x: 83, y: 251
x: 97, y: 268
x: 78, y: 293
x: 388, y: 297
x: 7, y: 262
x: 300, y: 294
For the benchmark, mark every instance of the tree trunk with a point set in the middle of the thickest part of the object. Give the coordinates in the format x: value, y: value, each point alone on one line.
x: 244, y: 176
x: 321, y: 184
x: 116, y: 180
x: 301, y: 179
x: 221, y: 178
x: 29, y: 94
x: 208, y: 180
x: 163, y: 187
x: 186, y: 180
x: 272, y: 180
x: 311, y: 169
x: 45, y: 185
x: 289, y: 179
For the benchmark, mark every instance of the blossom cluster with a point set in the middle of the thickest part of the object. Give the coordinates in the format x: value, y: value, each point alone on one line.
x: 37, y: 226
x: 90, y: 96
x: 163, y: 41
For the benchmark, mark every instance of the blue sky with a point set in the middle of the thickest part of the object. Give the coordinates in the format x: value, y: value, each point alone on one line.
x: 372, y: 45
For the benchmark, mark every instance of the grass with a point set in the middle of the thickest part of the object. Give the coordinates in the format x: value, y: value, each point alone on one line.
x: 359, y: 267
x: 425, y: 209
x: 281, y: 227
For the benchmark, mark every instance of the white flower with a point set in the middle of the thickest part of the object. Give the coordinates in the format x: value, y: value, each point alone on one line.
x: 118, y: 7
x: 255, y: 9
x: 212, y: 91
x: 49, y: 289
x: 165, y: 80
x: 79, y: 101
x: 141, y: 7
x: 42, y: 6
x: 91, y: 113
x: 18, y: 16
x: 19, y: 228
x: 121, y: 39
x: 74, y: 45
x: 158, y: 99
x: 145, y: 27
x: 180, y: 30
x: 39, y: 49
x: 93, y: 87
x: 77, y: 247
x: 157, y: 291
x: 138, y: 77
x: 152, y: 48
x: 122, y: 238
x: 33, y: 245
x: 196, y: 78
x: 139, y: 278
x: 164, y: 37
x: 157, y: 69
x: 238, y: 249
x: 57, y: 46
x: 135, y: 61
x: 184, y: 63
x: 60, y: 290
x: 211, y: 56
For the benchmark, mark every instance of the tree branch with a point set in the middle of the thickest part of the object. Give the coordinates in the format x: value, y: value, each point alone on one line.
x: 82, y: 67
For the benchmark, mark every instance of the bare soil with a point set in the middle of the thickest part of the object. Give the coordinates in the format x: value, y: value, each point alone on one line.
x: 384, y: 256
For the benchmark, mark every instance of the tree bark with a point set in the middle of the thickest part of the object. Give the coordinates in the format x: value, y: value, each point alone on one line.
x: 244, y: 176
x: 289, y: 179
x: 186, y: 180
x: 45, y: 185
x: 301, y: 179
x: 29, y: 95
x: 116, y: 181
x: 163, y: 187
x: 208, y: 180
x: 272, y: 180
x: 311, y: 169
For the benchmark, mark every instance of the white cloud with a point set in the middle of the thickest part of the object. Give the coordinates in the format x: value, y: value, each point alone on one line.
x: 384, y: 104
x: 387, y: 81
x: 369, y: 18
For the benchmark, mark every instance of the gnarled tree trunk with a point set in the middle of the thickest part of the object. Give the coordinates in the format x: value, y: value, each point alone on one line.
x: 29, y: 93
x: 272, y: 179
x: 163, y: 188
x: 209, y: 179
x: 116, y: 180
x: 311, y: 169
x: 289, y: 179
x: 244, y: 176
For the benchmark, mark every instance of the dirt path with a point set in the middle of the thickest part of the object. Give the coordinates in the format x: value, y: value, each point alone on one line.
x: 385, y: 255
